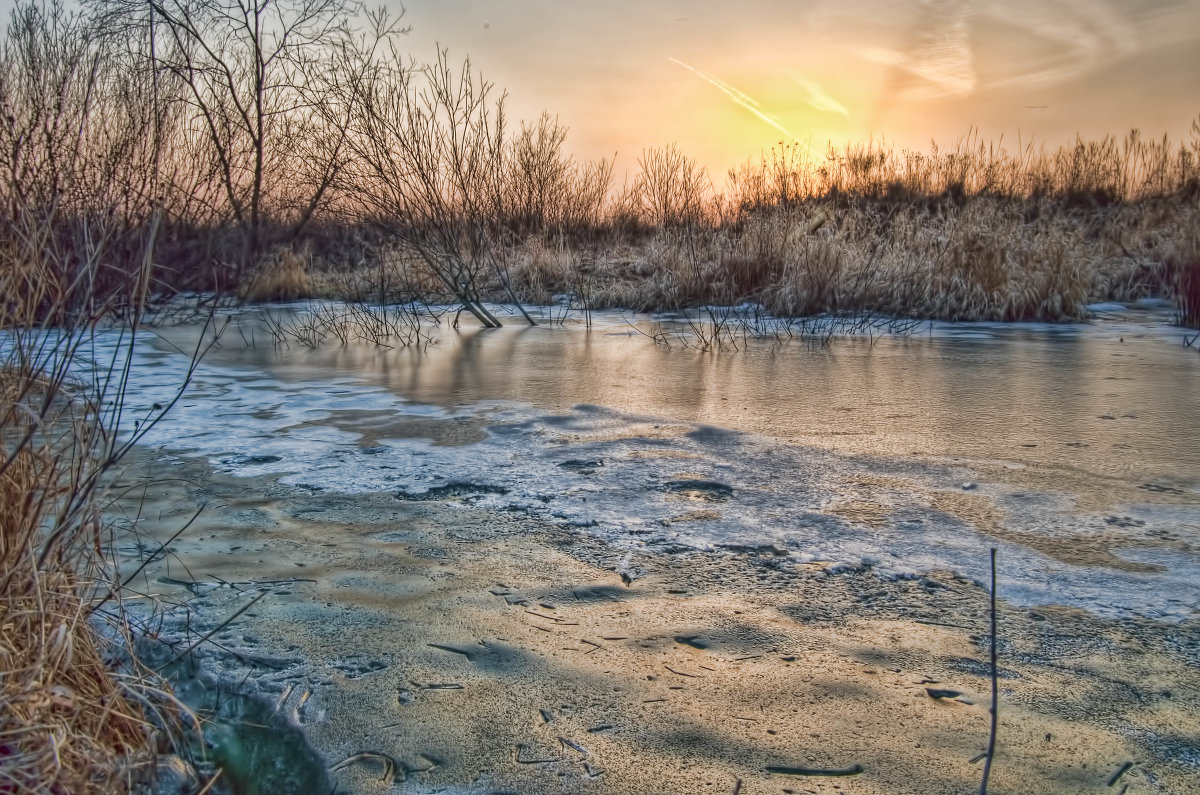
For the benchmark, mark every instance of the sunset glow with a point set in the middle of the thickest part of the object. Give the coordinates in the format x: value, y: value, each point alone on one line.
x: 739, y: 98
x: 726, y: 81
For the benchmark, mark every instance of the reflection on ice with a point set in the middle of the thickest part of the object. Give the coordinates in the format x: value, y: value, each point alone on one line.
x: 851, y: 455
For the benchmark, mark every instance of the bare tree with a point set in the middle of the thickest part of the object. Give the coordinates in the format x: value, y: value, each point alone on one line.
x: 259, y: 80
x: 428, y: 147
x: 670, y: 189
x: 76, y: 159
x: 545, y: 189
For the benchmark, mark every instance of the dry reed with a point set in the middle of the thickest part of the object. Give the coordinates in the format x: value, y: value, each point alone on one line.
x: 70, y: 721
x: 972, y: 234
x: 1188, y: 290
x: 283, y: 276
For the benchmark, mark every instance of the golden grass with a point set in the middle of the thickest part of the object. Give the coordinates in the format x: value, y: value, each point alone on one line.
x: 283, y: 276
x: 973, y: 232
x: 66, y: 723
x: 69, y: 721
x: 980, y: 258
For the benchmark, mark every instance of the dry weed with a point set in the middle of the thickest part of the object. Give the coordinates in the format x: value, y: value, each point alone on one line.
x: 283, y: 276
x: 68, y: 720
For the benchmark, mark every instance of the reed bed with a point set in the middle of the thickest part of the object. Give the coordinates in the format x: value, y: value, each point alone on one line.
x: 78, y: 712
x: 973, y: 233
x: 988, y: 258
x: 977, y: 256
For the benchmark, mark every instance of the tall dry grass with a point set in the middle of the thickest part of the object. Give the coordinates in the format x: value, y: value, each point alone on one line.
x: 283, y: 276
x: 973, y: 232
x: 78, y: 713
x: 68, y: 720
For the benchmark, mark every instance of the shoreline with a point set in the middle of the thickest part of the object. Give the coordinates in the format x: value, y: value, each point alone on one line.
x: 484, y: 651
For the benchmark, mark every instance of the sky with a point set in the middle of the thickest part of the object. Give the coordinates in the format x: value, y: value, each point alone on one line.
x: 725, y: 81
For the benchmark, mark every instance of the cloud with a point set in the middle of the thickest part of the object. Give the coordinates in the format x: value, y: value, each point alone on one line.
x: 1077, y: 40
x: 1023, y: 42
x: 940, y: 55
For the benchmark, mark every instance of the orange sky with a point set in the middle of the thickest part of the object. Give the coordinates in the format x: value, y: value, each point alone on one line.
x: 724, y: 80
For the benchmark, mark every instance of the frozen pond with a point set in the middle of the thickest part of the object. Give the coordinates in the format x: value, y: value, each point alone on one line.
x: 1072, y: 448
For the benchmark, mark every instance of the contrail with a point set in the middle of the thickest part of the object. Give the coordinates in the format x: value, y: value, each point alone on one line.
x: 745, y: 100
x: 740, y: 97
x: 819, y: 99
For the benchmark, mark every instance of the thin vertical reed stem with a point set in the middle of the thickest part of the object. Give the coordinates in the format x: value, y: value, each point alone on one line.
x: 991, y: 749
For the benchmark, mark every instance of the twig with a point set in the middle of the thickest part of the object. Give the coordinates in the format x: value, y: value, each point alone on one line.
x: 991, y: 749
x: 389, y: 764
x: 573, y: 745
x: 212, y: 782
x: 214, y: 631
x: 787, y: 770
x: 520, y: 760
x: 1122, y: 770
x: 162, y: 547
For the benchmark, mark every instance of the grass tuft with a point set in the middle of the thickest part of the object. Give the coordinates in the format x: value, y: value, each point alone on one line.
x: 283, y: 276
x: 70, y: 720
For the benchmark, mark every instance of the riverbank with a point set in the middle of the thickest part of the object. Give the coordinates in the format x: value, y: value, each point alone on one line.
x: 482, y: 651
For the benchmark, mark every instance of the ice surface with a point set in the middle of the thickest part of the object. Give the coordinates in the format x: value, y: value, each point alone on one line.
x: 615, y: 474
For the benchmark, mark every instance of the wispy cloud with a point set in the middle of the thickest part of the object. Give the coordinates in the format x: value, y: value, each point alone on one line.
x: 1054, y: 41
x: 819, y: 99
x: 745, y: 100
x: 1076, y: 40
x: 940, y: 56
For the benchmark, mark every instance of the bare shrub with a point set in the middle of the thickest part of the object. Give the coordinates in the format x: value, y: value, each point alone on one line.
x: 670, y: 189
x: 1184, y: 268
x: 258, y: 81
x: 428, y: 144
x: 1188, y: 288
x: 74, y: 168
x: 543, y: 190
